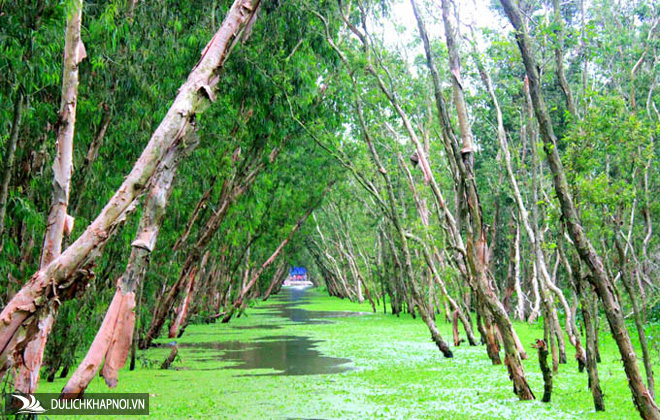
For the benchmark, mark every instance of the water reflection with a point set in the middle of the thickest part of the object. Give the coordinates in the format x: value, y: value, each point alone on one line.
x: 286, y: 307
x: 287, y: 354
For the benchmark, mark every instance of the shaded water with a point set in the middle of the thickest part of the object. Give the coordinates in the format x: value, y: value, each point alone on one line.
x: 287, y: 354
x: 289, y: 298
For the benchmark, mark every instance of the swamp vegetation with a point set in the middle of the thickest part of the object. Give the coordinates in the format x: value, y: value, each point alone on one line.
x: 480, y: 173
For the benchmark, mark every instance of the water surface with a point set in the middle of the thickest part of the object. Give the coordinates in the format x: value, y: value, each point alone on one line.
x: 286, y: 354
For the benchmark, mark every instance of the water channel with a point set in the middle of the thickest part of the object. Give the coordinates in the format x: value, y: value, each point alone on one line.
x: 286, y: 354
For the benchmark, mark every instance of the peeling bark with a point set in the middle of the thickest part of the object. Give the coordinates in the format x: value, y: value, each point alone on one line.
x: 231, y: 190
x: 542, y: 348
x: 531, y: 227
x: 460, y: 161
x: 476, y: 243
x: 114, y: 337
x: 599, y: 277
x: 59, y: 222
x: 120, y: 341
x: 72, y: 269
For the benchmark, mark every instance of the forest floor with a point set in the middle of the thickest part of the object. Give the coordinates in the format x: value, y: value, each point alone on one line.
x: 290, y: 361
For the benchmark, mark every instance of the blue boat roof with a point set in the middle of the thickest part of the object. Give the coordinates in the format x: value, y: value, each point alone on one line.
x: 297, y: 271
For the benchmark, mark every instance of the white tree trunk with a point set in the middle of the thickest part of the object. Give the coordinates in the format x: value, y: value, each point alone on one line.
x: 59, y: 222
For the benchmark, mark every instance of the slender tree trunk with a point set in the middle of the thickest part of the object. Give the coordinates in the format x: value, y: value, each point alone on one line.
x: 456, y: 308
x: 584, y: 292
x: 182, y: 311
x: 429, y: 260
x: 231, y: 190
x: 407, y: 269
x: 278, y: 277
x: 542, y: 274
x: 542, y: 348
x: 536, y: 307
x: 510, y: 286
x: 392, y: 202
x: 59, y: 222
x: 602, y: 283
x: 170, y: 358
x: 559, y: 59
x: 201, y: 204
x: 637, y: 315
x: 533, y: 233
x: 461, y: 163
x: 134, y: 341
x: 477, y: 247
x: 488, y: 336
x: 519, y: 313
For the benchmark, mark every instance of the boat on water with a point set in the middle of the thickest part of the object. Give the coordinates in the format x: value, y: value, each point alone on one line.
x: 297, y: 277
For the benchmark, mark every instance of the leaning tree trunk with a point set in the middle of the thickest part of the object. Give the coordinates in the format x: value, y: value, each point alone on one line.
x: 59, y: 222
x: 520, y: 306
x: 182, y: 310
x: 542, y: 269
x: 71, y: 270
x: 637, y: 313
x: 114, y: 337
x: 456, y: 308
x: 407, y: 268
x: 429, y: 261
x: 477, y: 247
x: 585, y: 294
x: 599, y: 277
x: 278, y: 277
x: 231, y: 190
x: 542, y: 348
x: 509, y: 285
x: 533, y: 234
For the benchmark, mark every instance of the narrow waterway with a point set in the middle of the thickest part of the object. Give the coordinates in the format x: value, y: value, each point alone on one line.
x: 285, y: 354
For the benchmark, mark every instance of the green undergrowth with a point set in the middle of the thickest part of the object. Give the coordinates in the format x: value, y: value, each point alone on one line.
x: 396, y: 373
